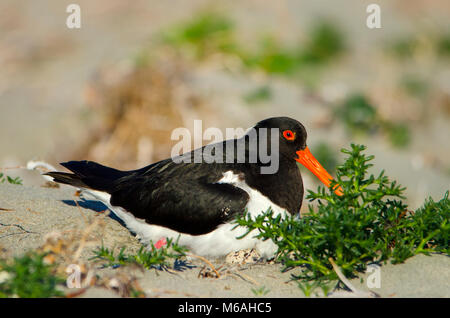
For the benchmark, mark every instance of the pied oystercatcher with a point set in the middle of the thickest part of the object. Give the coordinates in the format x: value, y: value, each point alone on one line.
x: 197, y: 202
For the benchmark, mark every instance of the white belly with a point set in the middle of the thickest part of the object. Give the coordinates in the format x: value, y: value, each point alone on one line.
x: 219, y: 242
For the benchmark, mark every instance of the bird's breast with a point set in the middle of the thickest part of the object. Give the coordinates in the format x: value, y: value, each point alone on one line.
x: 258, y: 203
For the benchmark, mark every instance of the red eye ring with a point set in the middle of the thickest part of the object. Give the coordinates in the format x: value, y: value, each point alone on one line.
x: 289, y: 135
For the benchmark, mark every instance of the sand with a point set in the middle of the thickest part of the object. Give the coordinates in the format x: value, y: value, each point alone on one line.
x: 33, y: 212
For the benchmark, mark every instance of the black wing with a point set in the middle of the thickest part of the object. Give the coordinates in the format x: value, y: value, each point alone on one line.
x: 181, y: 196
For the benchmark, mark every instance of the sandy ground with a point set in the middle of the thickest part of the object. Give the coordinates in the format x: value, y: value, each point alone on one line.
x: 34, y: 212
x: 45, y: 68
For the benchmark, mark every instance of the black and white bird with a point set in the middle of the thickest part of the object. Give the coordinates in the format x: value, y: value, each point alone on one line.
x: 197, y: 202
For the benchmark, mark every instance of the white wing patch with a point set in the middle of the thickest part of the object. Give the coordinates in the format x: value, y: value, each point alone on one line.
x: 258, y: 203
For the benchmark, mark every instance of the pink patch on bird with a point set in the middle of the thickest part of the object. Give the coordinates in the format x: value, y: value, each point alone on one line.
x: 161, y: 242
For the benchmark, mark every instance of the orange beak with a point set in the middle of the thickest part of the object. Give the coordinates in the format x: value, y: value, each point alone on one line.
x: 307, y: 159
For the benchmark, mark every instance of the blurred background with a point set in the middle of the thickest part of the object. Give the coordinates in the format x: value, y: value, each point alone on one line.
x: 113, y: 90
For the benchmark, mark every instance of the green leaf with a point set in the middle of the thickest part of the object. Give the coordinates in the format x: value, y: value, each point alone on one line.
x: 368, y: 223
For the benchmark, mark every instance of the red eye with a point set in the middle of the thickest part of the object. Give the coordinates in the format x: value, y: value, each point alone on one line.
x: 289, y: 135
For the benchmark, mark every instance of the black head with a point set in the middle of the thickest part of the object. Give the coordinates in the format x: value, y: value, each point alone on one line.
x: 292, y: 146
x: 291, y: 135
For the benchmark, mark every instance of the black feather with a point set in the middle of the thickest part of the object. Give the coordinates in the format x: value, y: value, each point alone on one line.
x: 92, y: 169
x: 88, y: 174
x: 67, y: 178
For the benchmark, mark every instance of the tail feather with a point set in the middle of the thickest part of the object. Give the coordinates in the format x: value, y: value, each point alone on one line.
x: 67, y: 178
x: 88, y: 174
x: 89, y: 168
